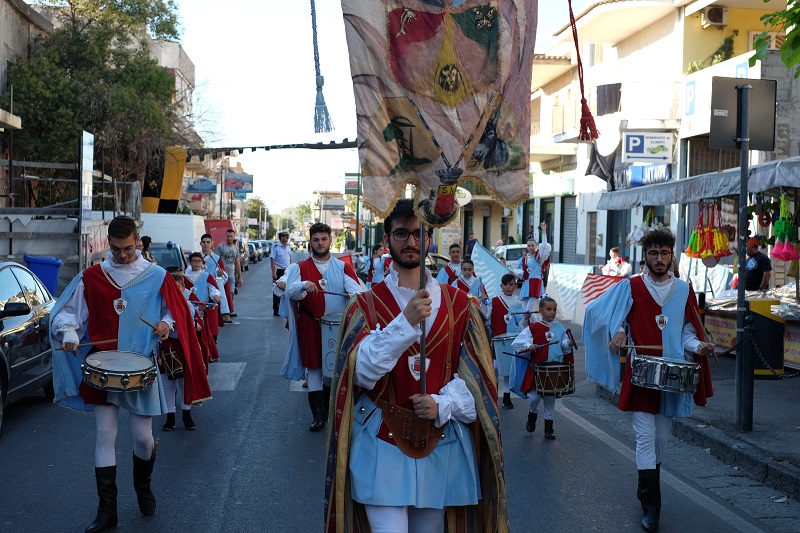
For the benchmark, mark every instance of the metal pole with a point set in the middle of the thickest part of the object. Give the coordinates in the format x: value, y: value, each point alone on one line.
x: 11, y: 159
x: 422, y: 282
x: 221, y: 186
x: 747, y: 370
x: 744, y: 150
x: 358, y: 206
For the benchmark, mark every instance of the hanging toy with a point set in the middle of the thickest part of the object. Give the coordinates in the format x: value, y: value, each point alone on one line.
x: 693, y: 249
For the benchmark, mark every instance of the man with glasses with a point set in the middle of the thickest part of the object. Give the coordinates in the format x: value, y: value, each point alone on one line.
x: 442, y: 449
x: 663, y: 320
x: 281, y: 257
x: 317, y: 286
x: 104, y: 308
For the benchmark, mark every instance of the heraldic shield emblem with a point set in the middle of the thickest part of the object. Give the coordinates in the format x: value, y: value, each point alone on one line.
x: 414, y: 365
x: 549, y: 336
x: 661, y: 321
x: 120, y: 305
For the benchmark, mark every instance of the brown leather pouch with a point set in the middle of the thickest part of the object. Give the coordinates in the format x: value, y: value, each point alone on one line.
x: 414, y: 436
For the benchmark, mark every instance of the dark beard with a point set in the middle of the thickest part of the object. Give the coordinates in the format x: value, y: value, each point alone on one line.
x: 397, y: 258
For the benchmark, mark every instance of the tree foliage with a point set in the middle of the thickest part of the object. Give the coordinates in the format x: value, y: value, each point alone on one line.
x: 256, y: 208
x: 787, y: 21
x: 94, y: 73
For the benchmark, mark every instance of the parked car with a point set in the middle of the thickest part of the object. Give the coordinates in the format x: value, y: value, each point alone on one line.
x: 259, y: 249
x: 169, y: 254
x: 510, y: 254
x: 266, y: 247
x: 253, y: 252
x: 436, y: 262
x: 244, y: 254
x: 26, y: 360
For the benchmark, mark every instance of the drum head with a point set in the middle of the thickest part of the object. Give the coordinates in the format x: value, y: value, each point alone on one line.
x: 333, y: 318
x: 505, y: 336
x: 119, y: 361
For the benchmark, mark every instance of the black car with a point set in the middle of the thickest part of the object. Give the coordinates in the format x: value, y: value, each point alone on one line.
x: 26, y: 361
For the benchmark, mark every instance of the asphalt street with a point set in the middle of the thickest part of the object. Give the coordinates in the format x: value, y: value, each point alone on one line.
x: 252, y: 464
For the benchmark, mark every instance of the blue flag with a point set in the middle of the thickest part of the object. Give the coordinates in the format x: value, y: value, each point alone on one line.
x: 489, y: 269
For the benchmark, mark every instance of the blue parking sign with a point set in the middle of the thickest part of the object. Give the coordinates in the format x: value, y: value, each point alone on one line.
x: 634, y: 144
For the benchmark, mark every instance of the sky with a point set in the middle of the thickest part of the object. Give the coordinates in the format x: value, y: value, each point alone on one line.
x: 255, y: 86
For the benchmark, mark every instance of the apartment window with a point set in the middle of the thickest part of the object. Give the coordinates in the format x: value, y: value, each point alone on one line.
x: 609, y: 98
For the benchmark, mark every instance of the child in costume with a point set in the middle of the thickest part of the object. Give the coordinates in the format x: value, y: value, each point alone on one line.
x: 505, y: 317
x: 547, y: 342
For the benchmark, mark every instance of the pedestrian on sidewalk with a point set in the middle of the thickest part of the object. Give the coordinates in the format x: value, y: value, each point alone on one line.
x: 102, y: 303
x: 317, y: 285
x: 663, y: 320
x: 505, y: 317
x: 380, y: 478
x: 546, y: 341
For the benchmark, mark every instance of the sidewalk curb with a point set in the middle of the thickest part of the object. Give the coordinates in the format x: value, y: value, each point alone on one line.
x: 752, y: 461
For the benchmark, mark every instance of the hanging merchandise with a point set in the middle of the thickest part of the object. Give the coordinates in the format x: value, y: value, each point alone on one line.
x: 695, y: 240
x: 720, y: 237
x: 784, y: 231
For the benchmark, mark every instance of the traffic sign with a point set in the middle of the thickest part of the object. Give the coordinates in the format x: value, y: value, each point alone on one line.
x: 650, y: 147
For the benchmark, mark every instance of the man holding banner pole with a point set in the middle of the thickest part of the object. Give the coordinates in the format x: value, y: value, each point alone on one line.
x: 378, y: 473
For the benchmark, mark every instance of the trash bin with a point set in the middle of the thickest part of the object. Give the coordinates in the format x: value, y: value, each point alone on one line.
x: 767, y: 339
x: 46, y: 269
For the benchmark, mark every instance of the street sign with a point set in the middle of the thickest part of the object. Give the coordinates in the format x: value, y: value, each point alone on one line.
x: 351, y: 185
x: 647, y: 147
x: 725, y: 114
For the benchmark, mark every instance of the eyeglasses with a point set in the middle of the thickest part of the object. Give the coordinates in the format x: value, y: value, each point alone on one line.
x: 127, y: 250
x: 653, y: 254
x: 402, y: 234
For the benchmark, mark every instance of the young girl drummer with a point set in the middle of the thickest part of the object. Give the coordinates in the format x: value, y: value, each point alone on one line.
x: 554, y: 345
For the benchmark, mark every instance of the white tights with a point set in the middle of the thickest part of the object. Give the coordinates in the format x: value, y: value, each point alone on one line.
x: 383, y: 519
x: 651, y: 438
x: 171, y: 386
x: 314, y: 379
x: 107, y: 417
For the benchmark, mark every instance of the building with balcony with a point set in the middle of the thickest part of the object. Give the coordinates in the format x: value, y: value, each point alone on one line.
x: 647, y: 74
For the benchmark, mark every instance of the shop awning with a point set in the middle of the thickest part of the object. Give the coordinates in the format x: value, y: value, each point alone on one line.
x: 764, y: 176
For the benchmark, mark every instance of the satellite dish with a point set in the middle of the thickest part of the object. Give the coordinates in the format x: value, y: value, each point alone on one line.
x: 463, y: 196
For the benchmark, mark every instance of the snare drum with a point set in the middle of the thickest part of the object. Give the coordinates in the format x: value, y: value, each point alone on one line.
x: 502, y: 344
x: 664, y: 374
x: 118, y: 371
x: 330, y: 339
x: 555, y: 379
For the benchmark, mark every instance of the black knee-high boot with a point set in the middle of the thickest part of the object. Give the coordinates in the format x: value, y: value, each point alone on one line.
x: 326, y: 402
x: 105, y: 477
x: 548, y: 430
x: 315, y: 403
x: 142, y: 473
x: 649, y: 494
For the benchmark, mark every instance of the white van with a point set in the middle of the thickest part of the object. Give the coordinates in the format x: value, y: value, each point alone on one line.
x: 185, y: 230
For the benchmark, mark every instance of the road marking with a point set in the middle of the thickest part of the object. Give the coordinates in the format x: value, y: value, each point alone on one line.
x: 224, y: 376
x: 297, y: 386
x: 708, y: 503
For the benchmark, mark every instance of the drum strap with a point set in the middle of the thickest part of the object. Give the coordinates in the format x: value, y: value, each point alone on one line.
x: 305, y: 310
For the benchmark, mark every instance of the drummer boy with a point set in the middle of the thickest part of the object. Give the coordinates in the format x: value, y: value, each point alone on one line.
x: 505, y: 319
x: 546, y: 341
x: 124, y: 304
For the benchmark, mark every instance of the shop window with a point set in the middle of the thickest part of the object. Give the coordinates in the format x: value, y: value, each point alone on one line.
x: 609, y: 98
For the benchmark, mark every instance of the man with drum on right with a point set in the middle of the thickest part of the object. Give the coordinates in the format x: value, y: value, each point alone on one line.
x: 663, y: 321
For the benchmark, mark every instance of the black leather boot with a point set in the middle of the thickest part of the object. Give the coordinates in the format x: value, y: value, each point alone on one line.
x: 326, y: 401
x: 315, y: 403
x: 105, y: 477
x: 530, y: 427
x: 507, y: 400
x: 169, y: 425
x: 142, y: 472
x: 186, y: 416
x: 548, y: 430
x: 649, y: 494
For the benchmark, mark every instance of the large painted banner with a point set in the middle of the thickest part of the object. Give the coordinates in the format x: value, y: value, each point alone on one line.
x: 441, y: 84
x: 564, y: 286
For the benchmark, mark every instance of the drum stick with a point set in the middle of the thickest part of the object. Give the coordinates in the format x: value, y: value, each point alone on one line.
x: 148, y: 323
x: 643, y: 346
x: 332, y: 293
x: 109, y: 341
x: 569, y: 334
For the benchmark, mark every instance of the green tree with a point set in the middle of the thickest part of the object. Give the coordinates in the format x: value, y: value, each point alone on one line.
x: 94, y: 73
x: 256, y: 208
x: 787, y: 21
x: 303, y: 210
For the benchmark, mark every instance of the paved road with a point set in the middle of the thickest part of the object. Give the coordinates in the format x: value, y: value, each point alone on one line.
x: 252, y: 464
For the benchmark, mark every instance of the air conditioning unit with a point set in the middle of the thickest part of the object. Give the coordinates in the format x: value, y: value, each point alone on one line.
x: 716, y: 17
